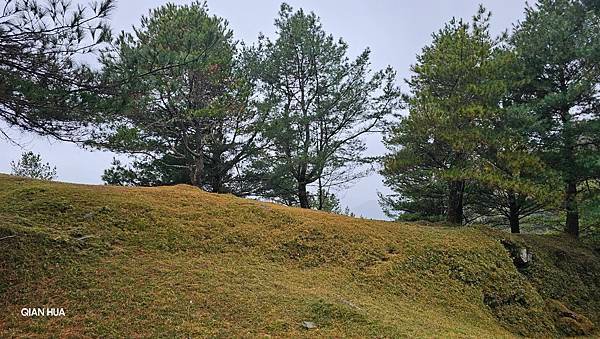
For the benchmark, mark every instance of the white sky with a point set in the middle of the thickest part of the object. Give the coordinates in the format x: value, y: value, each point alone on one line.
x: 395, y: 30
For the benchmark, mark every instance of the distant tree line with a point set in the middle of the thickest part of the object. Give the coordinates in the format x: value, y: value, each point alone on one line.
x: 494, y: 129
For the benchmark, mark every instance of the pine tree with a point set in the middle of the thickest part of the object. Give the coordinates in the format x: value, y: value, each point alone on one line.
x: 44, y: 88
x: 319, y: 106
x: 558, y: 44
x: 188, y: 108
x: 31, y: 166
x: 449, y: 102
x: 463, y: 146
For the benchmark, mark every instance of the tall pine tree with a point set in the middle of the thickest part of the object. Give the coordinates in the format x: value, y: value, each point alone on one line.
x: 320, y: 103
x: 188, y: 107
x: 558, y: 45
x: 462, y: 142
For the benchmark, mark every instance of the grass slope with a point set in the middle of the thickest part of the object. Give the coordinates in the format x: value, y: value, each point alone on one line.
x: 178, y: 262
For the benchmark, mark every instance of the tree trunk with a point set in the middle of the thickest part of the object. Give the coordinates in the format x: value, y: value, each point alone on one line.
x: 455, y: 202
x: 217, y: 185
x: 197, y: 172
x: 216, y: 173
x: 198, y: 166
x: 303, y: 195
x: 513, y: 214
x: 320, y: 195
x: 570, y: 140
x: 572, y: 224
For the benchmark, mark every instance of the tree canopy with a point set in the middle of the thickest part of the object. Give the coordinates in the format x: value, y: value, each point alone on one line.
x: 502, y: 127
x: 497, y: 129
x: 189, y: 108
x: 45, y: 85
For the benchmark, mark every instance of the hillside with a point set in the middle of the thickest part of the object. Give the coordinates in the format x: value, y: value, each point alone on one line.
x: 178, y: 262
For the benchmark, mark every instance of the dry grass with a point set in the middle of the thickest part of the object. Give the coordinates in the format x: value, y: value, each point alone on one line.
x: 178, y: 262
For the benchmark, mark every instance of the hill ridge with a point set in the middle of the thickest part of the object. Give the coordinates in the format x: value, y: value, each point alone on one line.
x: 176, y: 261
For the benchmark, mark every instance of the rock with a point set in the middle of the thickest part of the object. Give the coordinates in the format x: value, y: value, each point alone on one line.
x: 525, y: 256
x: 84, y: 237
x: 521, y: 256
x: 309, y: 325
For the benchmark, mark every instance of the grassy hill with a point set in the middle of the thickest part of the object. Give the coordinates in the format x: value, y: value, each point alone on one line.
x: 178, y: 262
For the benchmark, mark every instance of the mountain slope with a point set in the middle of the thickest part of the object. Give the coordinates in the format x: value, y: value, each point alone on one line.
x: 176, y: 261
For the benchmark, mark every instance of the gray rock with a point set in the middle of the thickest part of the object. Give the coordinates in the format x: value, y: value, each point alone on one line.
x: 84, y: 237
x: 525, y: 256
x: 309, y: 325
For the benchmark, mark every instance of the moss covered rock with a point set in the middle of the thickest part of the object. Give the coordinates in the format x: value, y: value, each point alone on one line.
x: 568, y: 322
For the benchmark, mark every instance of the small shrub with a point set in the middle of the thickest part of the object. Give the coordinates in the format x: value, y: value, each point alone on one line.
x: 31, y: 166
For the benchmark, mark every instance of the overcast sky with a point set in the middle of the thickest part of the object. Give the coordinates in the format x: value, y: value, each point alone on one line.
x: 395, y: 30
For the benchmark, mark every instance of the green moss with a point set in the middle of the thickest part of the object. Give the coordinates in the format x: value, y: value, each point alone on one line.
x: 567, y: 322
x: 178, y: 262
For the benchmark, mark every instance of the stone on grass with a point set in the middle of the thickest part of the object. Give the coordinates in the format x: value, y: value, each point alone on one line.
x: 309, y: 325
